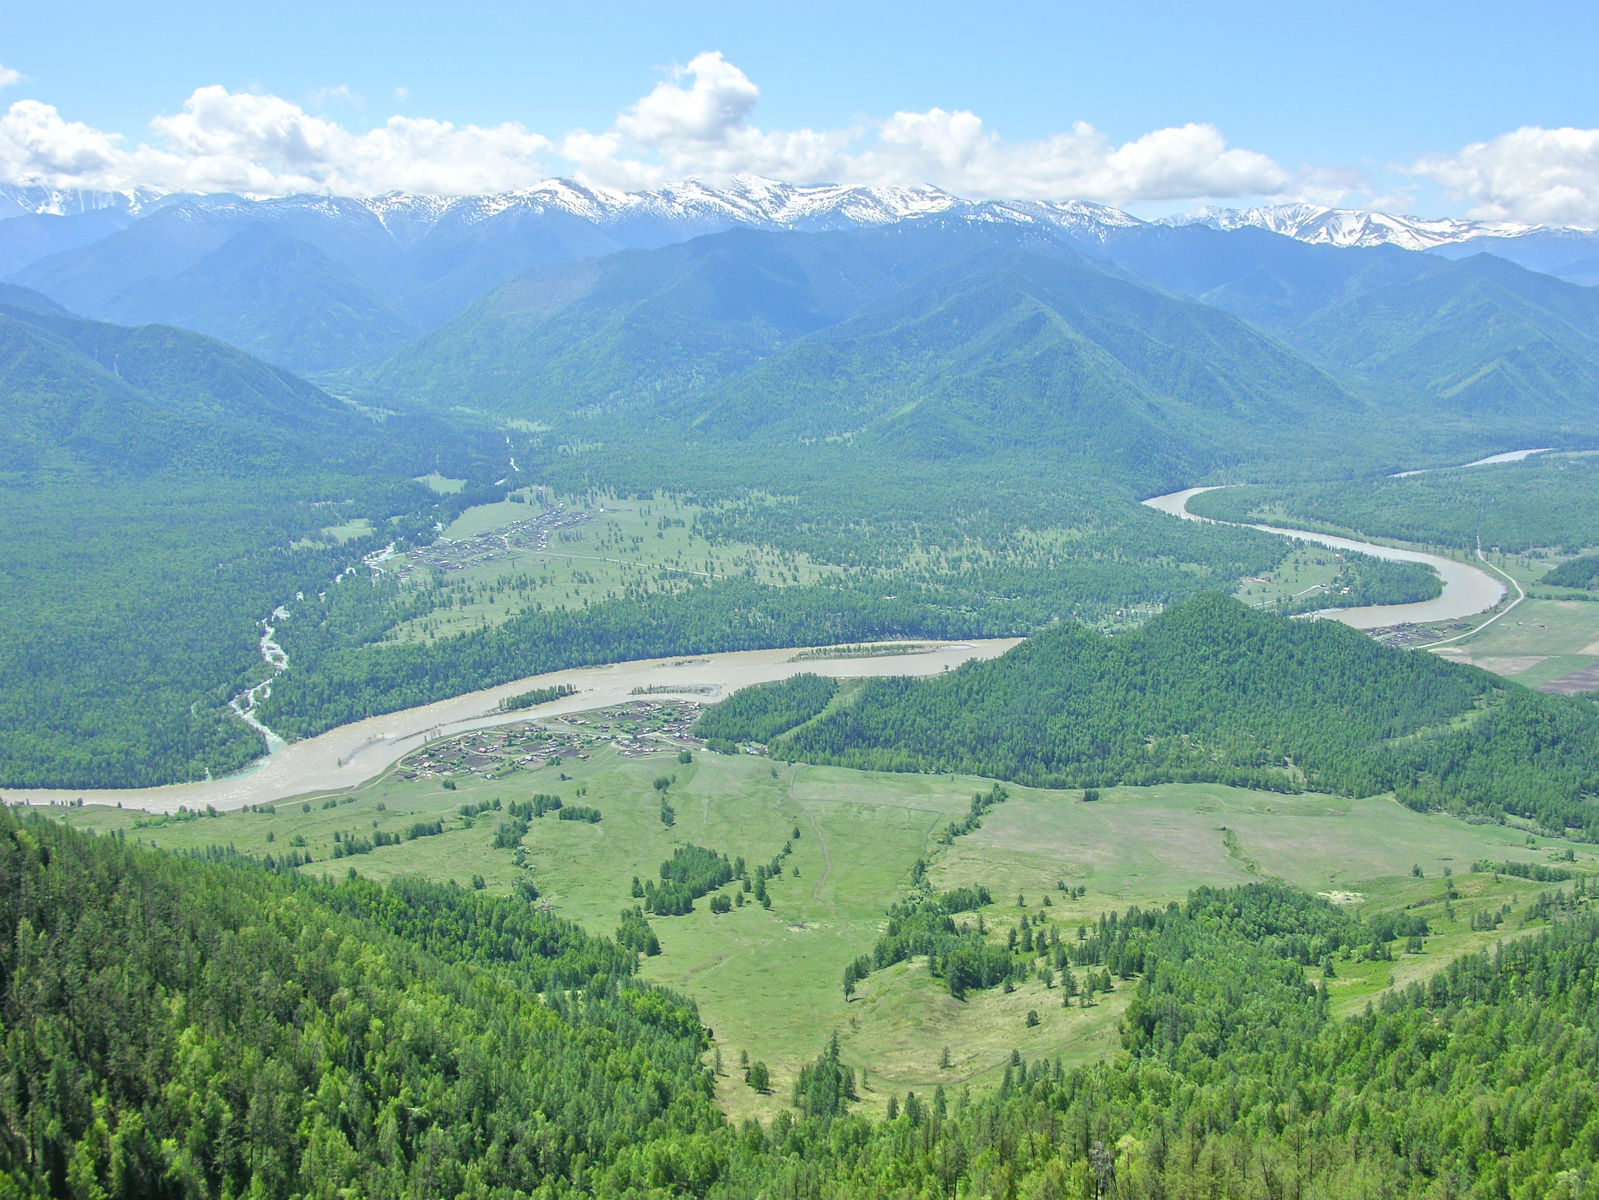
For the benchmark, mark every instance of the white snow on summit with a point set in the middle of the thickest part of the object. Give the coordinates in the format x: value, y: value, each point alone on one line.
x: 690, y: 207
x: 1350, y: 227
x: 17, y: 200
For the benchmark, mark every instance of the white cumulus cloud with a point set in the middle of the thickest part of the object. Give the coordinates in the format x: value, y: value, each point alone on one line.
x: 1532, y: 175
x: 696, y: 121
x: 244, y: 142
x: 713, y: 105
x: 37, y: 145
x: 954, y: 150
x: 9, y: 77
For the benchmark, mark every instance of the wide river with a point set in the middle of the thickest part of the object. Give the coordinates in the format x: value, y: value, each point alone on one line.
x: 355, y: 753
x: 1467, y: 589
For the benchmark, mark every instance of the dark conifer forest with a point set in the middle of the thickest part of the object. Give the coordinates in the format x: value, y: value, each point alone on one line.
x: 1211, y: 690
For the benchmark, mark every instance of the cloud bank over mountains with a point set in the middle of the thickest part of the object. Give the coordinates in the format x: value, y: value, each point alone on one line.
x: 698, y: 122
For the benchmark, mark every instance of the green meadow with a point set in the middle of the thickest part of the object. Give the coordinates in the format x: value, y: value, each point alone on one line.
x: 1540, y: 640
x: 613, y: 547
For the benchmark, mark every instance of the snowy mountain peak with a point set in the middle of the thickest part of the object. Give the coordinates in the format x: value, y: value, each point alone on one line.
x: 17, y: 200
x: 692, y: 207
x: 745, y: 200
x: 1081, y: 218
x: 1350, y: 227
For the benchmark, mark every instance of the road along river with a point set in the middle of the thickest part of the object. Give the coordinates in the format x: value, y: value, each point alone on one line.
x: 355, y: 753
x: 1468, y: 589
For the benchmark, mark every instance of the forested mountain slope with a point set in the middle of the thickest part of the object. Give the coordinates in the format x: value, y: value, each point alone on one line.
x: 165, y: 492
x: 1012, y: 350
x: 276, y: 297
x: 1481, y: 338
x: 1479, y: 345
x: 178, y: 1028
x: 130, y: 399
x: 183, y: 1028
x: 926, y: 339
x: 645, y: 327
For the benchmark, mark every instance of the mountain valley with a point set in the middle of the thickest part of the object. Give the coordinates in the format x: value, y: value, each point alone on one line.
x: 1056, y: 847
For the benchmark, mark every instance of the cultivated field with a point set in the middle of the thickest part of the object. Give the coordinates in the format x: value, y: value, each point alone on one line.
x: 1543, y: 639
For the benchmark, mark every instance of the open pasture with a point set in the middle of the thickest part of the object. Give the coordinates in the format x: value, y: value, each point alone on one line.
x: 1308, y: 570
x: 1539, y: 641
x: 541, y: 551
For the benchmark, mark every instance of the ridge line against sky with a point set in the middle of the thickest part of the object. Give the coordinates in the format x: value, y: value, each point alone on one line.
x: 705, y: 116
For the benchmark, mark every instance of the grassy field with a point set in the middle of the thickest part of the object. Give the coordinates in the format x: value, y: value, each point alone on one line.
x: 1541, y: 640
x: 336, y: 535
x: 1309, y: 568
x: 442, y: 484
x: 768, y: 980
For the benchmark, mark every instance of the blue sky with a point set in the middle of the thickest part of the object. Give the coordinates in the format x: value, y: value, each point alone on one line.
x: 1154, y: 109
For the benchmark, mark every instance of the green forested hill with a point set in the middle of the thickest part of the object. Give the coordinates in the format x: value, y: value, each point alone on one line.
x: 642, y: 327
x: 164, y: 492
x: 125, y: 398
x: 1482, y: 338
x: 940, y: 339
x: 274, y: 296
x: 1012, y: 350
x: 1578, y: 573
x: 1211, y: 690
x: 1477, y: 350
x: 183, y: 1029
x: 1271, y: 281
x: 14, y: 296
x: 932, y: 341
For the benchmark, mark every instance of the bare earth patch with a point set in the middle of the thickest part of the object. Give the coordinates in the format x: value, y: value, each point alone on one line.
x: 1586, y: 680
x: 1343, y: 897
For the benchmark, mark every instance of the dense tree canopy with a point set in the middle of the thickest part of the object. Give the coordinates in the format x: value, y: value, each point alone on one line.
x: 1211, y: 690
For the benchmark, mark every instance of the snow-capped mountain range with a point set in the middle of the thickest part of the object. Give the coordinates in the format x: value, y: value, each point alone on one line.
x: 315, y: 282
x: 754, y: 202
x: 689, y: 207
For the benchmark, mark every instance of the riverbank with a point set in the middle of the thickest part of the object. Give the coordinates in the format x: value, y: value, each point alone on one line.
x: 353, y: 754
x: 1467, y: 590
